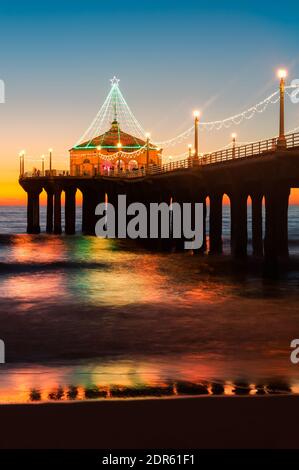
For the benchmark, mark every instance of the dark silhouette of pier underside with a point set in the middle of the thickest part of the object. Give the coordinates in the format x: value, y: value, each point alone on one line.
x: 270, y: 175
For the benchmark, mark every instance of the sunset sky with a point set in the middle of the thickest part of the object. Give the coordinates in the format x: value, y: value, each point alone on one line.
x: 171, y: 57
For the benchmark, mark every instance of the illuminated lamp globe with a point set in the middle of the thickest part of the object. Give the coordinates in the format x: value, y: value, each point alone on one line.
x: 282, y: 73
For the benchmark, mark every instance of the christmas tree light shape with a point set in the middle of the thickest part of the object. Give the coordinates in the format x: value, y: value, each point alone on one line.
x: 114, y: 108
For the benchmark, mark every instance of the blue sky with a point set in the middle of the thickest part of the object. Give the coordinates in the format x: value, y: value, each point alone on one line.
x: 171, y: 56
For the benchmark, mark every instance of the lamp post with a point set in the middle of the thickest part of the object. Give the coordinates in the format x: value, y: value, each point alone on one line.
x: 190, y: 150
x: 281, y: 142
x: 43, y: 165
x: 147, y: 135
x: 118, y: 161
x: 99, y: 148
x: 159, y: 155
x: 50, y: 164
x: 196, y: 115
x: 22, y: 165
x: 234, y: 136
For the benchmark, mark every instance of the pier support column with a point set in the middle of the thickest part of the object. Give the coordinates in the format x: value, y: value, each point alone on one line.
x: 57, y: 212
x: 177, y: 243
x: 91, y: 198
x: 215, y: 235
x: 70, y: 211
x: 166, y: 244
x: 238, y: 202
x: 86, y: 210
x: 33, y: 225
x: 112, y: 198
x: 203, y: 249
x: 99, y: 197
x: 191, y: 197
x: 50, y: 206
x: 257, y: 224
x: 276, y: 237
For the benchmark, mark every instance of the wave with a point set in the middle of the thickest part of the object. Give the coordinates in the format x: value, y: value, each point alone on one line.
x: 6, y: 268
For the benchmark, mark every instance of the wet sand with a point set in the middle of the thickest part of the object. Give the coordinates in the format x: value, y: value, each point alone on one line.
x: 202, y: 422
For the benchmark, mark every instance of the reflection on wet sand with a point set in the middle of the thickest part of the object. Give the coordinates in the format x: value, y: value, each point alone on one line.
x: 35, y: 395
x: 114, y: 379
x: 182, y: 389
x: 72, y: 392
x: 47, y: 388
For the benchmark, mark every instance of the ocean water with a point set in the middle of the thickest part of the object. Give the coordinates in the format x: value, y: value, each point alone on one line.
x: 85, y: 318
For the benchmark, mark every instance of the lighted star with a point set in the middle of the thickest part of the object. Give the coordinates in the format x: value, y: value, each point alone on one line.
x: 114, y: 81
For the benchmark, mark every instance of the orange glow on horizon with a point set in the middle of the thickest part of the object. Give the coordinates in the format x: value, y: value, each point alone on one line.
x: 294, y: 198
x: 12, y: 194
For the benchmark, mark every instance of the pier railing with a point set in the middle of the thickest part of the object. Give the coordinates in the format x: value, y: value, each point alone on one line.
x: 254, y: 149
x: 38, y: 173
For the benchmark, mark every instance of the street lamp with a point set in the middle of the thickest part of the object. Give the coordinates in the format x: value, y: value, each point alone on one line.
x: 119, y: 146
x: 282, y: 73
x: 50, y: 152
x: 43, y: 165
x: 22, y: 165
x: 99, y: 148
x: 196, y: 115
x: 148, y: 136
x: 281, y: 142
x: 234, y: 136
x: 190, y: 150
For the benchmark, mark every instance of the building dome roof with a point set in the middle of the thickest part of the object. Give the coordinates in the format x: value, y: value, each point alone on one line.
x: 112, y: 138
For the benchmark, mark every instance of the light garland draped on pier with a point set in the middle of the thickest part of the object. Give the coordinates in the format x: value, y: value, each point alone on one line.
x: 115, y: 105
x: 121, y: 154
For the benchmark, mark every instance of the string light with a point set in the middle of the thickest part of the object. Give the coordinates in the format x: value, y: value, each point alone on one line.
x: 227, y: 122
x: 293, y: 130
x: 114, y: 107
x: 119, y: 154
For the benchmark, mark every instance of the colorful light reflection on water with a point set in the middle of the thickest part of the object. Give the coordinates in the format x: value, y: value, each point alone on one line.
x: 88, y: 318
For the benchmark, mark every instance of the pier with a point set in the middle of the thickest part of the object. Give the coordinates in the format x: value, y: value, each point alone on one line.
x: 246, y: 175
x: 105, y: 165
